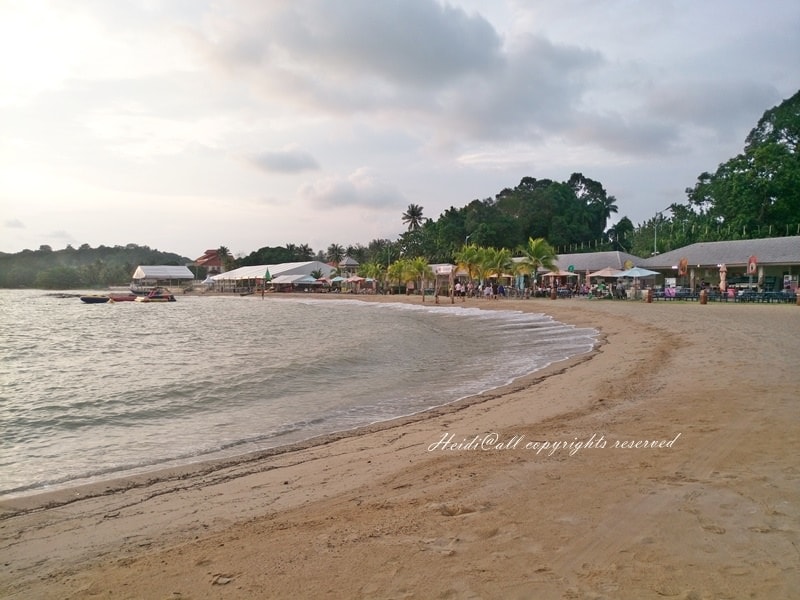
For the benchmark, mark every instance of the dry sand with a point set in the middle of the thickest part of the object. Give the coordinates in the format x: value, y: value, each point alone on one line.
x: 381, y: 515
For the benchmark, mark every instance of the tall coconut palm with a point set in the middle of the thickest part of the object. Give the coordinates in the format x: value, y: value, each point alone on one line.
x: 498, y: 261
x: 482, y: 270
x: 413, y: 216
x: 420, y: 271
x: 397, y: 272
x: 535, y: 254
x: 603, y: 208
x: 335, y: 254
x: 467, y: 259
x: 306, y: 252
x: 225, y: 258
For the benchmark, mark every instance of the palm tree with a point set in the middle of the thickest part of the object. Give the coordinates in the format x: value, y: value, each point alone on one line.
x: 225, y: 258
x: 498, y: 261
x: 602, y: 208
x: 467, y: 259
x: 372, y: 270
x: 335, y: 254
x: 537, y: 253
x: 413, y: 216
x: 306, y: 252
x: 397, y: 271
x: 419, y: 270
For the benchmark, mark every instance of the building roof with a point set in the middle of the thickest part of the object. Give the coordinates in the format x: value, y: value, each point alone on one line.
x: 348, y: 261
x: 594, y: 261
x: 162, y: 272
x: 776, y: 251
x: 209, y: 259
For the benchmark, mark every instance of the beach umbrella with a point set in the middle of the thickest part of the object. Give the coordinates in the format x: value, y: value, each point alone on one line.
x: 560, y: 274
x: 637, y: 272
x: 607, y: 272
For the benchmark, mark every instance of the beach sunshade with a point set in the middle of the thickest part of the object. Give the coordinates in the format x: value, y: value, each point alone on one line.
x: 267, y: 276
x: 638, y: 272
x: 607, y: 272
x: 337, y: 279
x: 560, y: 274
x: 354, y: 279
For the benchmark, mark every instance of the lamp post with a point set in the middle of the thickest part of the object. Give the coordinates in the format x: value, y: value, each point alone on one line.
x: 655, y: 229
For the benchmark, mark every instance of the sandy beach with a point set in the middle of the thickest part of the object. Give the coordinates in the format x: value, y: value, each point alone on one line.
x: 662, y: 465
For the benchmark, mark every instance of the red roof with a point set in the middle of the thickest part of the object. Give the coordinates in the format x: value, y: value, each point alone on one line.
x: 209, y: 259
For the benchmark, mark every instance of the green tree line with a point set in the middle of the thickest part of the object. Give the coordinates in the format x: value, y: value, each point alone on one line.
x: 83, y: 267
x: 754, y: 194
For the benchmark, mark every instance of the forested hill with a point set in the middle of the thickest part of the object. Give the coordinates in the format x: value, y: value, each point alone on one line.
x: 72, y: 268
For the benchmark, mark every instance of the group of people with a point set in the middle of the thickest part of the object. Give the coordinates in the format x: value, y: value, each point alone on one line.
x: 494, y: 290
x: 488, y: 290
x: 601, y: 290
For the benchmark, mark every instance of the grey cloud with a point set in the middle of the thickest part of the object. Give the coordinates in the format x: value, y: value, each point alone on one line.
x: 628, y: 135
x: 283, y: 161
x: 538, y: 91
x: 417, y: 42
x: 14, y: 224
x: 394, y: 43
x: 712, y: 104
x: 447, y: 75
x: 358, y: 190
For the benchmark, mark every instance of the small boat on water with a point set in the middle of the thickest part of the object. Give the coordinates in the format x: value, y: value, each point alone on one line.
x: 95, y: 299
x: 103, y: 298
x: 157, y: 294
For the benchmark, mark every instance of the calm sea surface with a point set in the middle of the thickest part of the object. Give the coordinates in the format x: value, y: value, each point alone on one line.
x: 89, y: 392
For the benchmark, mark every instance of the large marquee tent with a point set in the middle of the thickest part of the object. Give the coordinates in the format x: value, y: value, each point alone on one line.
x: 244, y: 276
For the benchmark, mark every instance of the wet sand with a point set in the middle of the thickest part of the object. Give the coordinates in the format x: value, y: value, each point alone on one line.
x: 664, y: 464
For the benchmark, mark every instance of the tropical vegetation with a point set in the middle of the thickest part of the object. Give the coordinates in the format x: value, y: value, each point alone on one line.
x: 754, y: 194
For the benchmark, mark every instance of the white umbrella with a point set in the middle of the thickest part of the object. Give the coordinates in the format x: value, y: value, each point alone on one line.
x: 636, y: 272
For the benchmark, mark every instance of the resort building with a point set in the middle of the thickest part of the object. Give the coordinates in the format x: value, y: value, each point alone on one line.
x: 769, y: 264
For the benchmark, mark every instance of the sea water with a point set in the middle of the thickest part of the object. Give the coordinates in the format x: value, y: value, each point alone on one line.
x: 90, y: 392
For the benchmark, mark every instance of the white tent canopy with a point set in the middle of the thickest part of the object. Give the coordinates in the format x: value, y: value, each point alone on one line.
x: 161, y: 272
x: 275, y: 271
x: 295, y: 279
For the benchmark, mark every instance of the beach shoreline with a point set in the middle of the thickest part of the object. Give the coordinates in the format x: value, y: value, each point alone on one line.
x: 384, y: 508
x: 36, y: 499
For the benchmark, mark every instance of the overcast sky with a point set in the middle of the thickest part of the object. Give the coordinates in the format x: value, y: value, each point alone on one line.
x: 190, y: 124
